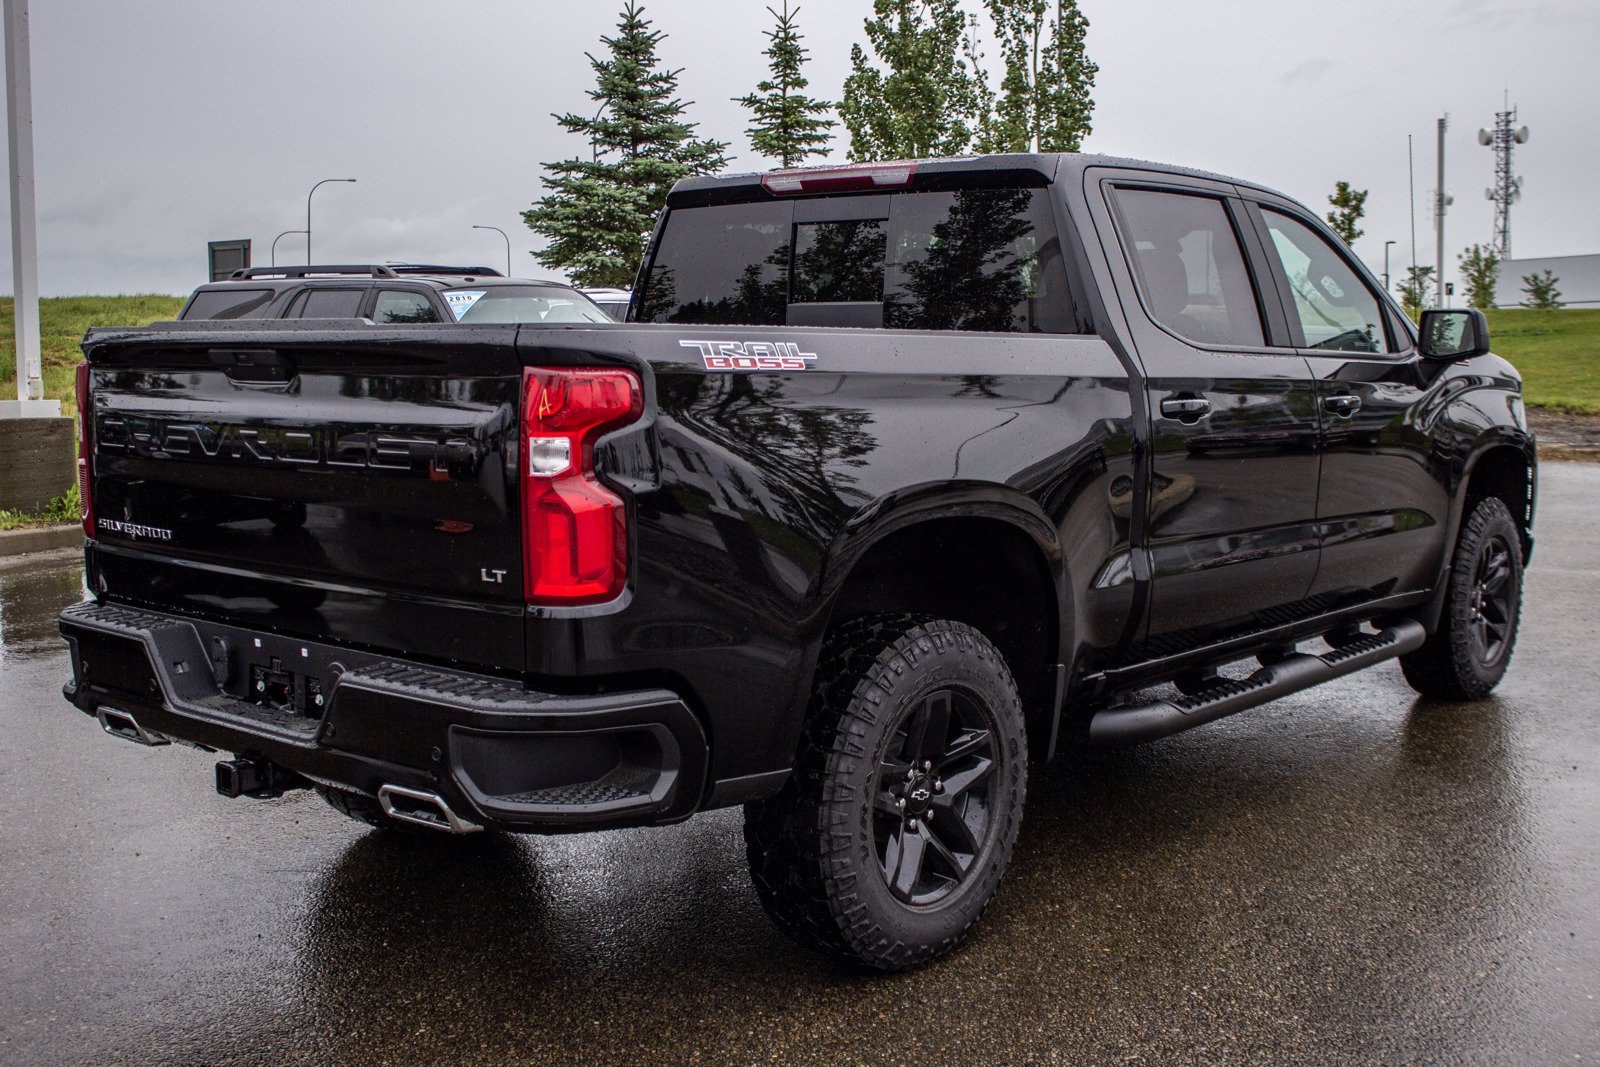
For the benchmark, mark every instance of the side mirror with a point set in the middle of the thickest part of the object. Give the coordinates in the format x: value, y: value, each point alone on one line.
x: 1453, y: 335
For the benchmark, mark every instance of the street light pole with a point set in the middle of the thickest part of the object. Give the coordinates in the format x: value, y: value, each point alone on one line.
x: 30, y: 402
x: 502, y: 233
x: 1386, y: 245
x: 275, y: 241
x: 314, y: 188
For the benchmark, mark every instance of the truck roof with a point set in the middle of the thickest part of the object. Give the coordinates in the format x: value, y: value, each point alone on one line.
x: 1041, y: 168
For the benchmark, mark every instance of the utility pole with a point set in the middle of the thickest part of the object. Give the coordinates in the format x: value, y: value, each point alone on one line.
x: 30, y: 402
x: 1386, y: 245
x: 1507, y: 186
x: 1442, y: 201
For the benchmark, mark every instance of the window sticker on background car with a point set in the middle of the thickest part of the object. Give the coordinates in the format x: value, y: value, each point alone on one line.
x: 1331, y: 287
x: 462, y: 299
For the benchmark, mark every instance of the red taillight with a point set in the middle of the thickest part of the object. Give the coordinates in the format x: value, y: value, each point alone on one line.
x: 85, y: 452
x: 574, y: 529
x: 840, y: 179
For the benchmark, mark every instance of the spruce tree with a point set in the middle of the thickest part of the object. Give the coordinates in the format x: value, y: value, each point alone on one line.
x: 925, y: 101
x: 1044, y: 103
x: 598, y: 212
x: 789, y: 126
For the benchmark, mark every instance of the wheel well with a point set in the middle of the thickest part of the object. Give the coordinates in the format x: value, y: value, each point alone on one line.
x: 1504, y: 472
x: 983, y: 572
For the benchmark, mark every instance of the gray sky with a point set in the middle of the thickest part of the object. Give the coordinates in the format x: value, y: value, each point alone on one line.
x: 161, y: 124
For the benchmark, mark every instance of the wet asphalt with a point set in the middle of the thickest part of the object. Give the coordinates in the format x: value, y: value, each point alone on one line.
x: 1352, y: 875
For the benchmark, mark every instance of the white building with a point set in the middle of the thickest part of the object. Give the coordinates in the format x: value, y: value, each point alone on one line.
x: 1577, y: 278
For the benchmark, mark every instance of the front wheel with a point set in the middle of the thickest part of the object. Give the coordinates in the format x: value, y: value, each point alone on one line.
x: 1469, y: 652
x: 890, y: 838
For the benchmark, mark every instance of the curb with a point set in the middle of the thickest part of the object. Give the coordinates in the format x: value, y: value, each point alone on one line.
x: 1577, y: 453
x: 42, y: 539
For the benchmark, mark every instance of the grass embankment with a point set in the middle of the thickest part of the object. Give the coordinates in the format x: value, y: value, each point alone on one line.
x: 62, y: 322
x: 1558, y: 353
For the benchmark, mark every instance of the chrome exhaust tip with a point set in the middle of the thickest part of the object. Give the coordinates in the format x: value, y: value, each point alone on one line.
x: 119, y: 723
x: 423, y: 809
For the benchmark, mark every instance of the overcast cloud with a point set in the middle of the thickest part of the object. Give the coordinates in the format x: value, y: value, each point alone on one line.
x: 161, y: 124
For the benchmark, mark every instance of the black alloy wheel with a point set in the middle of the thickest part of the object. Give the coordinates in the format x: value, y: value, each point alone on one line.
x: 1492, y: 607
x: 934, y: 797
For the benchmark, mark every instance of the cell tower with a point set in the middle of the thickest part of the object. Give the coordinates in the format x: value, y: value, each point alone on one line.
x: 1507, y: 186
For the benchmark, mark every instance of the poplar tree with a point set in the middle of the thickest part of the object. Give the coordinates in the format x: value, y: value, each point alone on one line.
x: 788, y: 125
x: 925, y: 98
x: 1480, y: 270
x: 1044, y: 103
x: 598, y: 212
x: 1349, y: 207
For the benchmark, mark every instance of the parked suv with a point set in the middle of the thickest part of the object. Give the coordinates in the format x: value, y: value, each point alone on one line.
x: 397, y: 294
x: 903, y: 477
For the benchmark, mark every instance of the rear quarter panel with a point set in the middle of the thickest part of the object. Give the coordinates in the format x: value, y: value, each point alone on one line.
x: 769, y: 484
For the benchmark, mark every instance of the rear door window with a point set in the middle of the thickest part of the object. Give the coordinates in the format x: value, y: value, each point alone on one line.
x: 228, y: 304
x: 396, y: 307
x: 971, y: 259
x: 1190, y: 268
x: 328, y: 304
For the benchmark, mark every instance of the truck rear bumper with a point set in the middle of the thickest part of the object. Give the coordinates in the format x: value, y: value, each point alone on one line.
x: 497, y: 754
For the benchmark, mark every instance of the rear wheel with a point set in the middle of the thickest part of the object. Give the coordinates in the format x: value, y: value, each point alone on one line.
x: 1469, y: 652
x: 890, y: 839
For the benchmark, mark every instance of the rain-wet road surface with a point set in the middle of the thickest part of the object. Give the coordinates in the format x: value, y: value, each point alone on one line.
x: 1349, y: 875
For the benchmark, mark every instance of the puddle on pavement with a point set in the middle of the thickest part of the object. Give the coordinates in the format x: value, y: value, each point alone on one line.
x: 31, y: 596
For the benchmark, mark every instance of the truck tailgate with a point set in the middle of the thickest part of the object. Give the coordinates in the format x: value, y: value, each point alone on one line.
x: 335, y: 480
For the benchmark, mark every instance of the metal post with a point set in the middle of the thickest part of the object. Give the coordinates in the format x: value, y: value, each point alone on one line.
x: 314, y: 188
x: 278, y: 238
x: 1441, y: 201
x: 1386, y: 245
x: 502, y: 233
x: 30, y: 401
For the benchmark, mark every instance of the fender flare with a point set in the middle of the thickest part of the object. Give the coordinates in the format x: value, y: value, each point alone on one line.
x: 1492, y: 437
x: 934, y: 501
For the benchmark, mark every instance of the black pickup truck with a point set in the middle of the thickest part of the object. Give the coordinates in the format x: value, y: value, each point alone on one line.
x: 898, y: 478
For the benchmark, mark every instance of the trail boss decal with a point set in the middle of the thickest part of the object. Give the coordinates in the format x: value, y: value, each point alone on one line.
x: 752, y: 355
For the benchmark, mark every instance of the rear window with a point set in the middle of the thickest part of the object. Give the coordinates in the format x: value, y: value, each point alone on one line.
x: 228, y: 304
x: 523, y: 303
x: 970, y: 259
x: 327, y: 304
x: 402, y: 307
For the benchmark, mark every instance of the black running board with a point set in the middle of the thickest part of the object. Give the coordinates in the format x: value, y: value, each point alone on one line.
x: 1124, y: 726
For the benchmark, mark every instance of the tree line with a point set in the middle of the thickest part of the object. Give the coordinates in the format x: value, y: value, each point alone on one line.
x: 920, y: 88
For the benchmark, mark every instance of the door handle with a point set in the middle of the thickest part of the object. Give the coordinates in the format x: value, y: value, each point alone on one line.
x: 1186, y: 407
x: 1342, y: 404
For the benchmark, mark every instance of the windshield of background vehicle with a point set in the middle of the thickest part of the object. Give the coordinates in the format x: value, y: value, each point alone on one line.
x: 522, y: 303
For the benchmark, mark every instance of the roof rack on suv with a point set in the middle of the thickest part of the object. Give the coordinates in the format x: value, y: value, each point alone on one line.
x: 369, y: 270
x: 431, y: 268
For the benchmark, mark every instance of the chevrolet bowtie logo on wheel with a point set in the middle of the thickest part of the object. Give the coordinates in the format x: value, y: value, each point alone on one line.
x: 752, y: 355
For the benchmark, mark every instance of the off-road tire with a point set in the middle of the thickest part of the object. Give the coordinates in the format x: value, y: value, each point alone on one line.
x: 1452, y: 665
x: 812, y: 850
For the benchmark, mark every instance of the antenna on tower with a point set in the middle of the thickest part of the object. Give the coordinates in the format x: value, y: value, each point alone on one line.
x: 1507, y: 188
